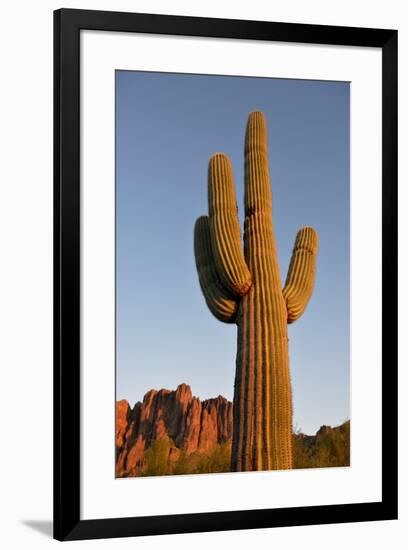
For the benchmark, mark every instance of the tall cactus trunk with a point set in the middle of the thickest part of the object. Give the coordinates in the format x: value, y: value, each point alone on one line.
x: 262, y: 412
x: 262, y: 435
x: 246, y: 288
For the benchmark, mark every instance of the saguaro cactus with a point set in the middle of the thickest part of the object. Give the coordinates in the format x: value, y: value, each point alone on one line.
x: 244, y: 287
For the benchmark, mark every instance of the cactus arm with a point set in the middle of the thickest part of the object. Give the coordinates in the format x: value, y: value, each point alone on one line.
x: 224, y: 227
x: 221, y: 303
x: 301, y: 274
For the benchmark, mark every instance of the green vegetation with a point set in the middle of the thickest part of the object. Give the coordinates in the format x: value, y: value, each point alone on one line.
x: 330, y: 447
x: 157, y: 462
x: 216, y: 461
x: 156, y: 458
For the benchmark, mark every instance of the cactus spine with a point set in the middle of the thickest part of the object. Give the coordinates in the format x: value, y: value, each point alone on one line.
x: 244, y: 287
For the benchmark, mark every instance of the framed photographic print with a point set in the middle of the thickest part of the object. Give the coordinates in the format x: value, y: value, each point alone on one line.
x: 225, y: 274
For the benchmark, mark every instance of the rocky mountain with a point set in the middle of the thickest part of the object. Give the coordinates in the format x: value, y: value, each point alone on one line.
x: 193, y: 426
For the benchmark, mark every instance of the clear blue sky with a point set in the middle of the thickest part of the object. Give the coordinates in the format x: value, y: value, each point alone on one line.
x: 167, y: 126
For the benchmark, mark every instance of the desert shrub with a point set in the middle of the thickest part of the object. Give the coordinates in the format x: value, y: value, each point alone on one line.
x: 214, y: 461
x: 156, y: 457
x: 329, y: 448
x: 217, y: 460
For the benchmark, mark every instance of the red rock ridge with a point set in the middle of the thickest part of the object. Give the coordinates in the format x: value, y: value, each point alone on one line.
x: 192, y: 424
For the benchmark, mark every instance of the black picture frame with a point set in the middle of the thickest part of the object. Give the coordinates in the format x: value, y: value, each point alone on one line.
x: 67, y: 26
